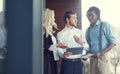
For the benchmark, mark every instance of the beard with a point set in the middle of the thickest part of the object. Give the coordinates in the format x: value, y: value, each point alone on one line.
x: 73, y: 24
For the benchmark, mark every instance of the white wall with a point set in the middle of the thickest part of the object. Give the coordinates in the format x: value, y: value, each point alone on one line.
x: 1, y: 11
x: 109, y: 11
x: 1, y: 5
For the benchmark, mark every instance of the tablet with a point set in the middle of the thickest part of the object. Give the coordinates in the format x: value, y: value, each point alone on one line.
x: 75, y: 50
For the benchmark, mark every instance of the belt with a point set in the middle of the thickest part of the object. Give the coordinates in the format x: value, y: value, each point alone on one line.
x: 72, y: 60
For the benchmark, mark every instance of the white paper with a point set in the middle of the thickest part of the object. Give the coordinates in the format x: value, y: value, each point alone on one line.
x: 87, y: 55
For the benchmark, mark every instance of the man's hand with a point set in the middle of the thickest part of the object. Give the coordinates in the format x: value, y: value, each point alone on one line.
x: 78, y: 39
x: 67, y: 54
x: 62, y: 45
x: 97, y: 55
x: 84, y: 59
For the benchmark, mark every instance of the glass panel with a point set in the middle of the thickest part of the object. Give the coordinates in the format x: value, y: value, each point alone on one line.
x: 3, y: 37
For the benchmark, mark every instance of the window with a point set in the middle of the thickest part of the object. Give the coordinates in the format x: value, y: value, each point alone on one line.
x: 109, y: 11
x: 1, y: 5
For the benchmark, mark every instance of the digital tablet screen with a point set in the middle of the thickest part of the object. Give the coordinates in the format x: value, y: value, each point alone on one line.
x: 76, y: 50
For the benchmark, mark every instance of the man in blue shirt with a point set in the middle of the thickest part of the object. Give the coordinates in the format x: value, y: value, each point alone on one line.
x: 100, y: 39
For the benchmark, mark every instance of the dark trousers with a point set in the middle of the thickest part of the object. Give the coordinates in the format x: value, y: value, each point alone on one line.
x: 71, y: 67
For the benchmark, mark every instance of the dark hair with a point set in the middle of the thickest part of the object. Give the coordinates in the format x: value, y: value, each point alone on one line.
x: 95, y: 9
x: 67, y: 15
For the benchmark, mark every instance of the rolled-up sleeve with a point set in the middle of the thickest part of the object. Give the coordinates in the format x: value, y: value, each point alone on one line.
x: 109, y: 34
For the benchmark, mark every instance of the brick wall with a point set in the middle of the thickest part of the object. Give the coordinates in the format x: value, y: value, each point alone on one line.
x: 61, y: 6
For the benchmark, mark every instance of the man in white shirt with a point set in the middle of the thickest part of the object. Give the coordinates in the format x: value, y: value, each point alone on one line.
x: 73, y: 38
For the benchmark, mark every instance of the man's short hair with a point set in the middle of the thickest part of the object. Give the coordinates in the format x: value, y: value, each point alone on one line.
x: 67, y: 15
x: 95, y: 9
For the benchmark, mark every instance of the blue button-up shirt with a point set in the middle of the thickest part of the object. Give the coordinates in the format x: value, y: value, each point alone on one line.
x: 92, y: 36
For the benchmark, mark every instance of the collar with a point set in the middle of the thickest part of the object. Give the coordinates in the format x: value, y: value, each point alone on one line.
x: 67, y: 28
x: 97, y: 23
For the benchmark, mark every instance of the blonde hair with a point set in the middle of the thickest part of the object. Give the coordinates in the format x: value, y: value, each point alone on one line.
x: 49, y: 21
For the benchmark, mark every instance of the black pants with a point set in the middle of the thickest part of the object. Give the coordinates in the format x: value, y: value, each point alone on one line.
x: 71, y: 67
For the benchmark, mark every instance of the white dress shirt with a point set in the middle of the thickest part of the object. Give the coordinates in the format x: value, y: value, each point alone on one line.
x: 66, y: 36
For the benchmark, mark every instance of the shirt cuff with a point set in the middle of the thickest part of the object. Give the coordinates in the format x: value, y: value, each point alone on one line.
x: 53, y: 47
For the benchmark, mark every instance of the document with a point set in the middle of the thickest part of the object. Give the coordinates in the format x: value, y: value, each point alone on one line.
x: 89, y: 55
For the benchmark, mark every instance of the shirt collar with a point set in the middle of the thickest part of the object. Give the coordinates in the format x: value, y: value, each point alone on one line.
x: 97, y: 23
x: 69, y: 28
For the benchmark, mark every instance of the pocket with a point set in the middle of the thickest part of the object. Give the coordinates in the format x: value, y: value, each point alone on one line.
x: 105, y: 58
x: 104, y: 64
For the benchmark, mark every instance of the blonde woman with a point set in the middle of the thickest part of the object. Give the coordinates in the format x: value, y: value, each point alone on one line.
x: 50, y: 45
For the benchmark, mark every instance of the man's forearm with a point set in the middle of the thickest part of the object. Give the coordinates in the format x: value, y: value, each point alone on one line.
x: 108, y: 48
